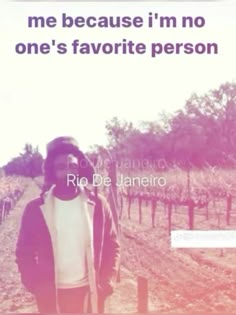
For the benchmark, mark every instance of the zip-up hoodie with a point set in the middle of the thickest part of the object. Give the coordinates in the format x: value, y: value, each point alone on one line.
x: 36, y: 250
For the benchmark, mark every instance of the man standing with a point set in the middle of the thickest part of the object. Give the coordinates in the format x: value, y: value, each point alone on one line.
x: 67, y: 250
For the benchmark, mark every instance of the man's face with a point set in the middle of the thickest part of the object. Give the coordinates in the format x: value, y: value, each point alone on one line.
x: 65, y: 164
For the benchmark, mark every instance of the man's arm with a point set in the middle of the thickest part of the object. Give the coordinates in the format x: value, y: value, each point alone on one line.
x: 111, y: 251
x: 26, y: 250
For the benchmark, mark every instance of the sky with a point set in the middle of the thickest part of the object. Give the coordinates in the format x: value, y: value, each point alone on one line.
x: 45, y: 96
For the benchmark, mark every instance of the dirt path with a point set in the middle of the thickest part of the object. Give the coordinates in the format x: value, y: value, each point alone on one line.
x: 13, y: 297
x: 179, y: 280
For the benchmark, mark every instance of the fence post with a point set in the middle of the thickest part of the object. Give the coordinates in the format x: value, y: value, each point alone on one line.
x: 142, y: 295
x: 169, y: 208
x: 191, y: 214
x: 207, y: 212
x: 1, y: 209
x: 154, y: 205
x: 140, y: 208
x: 228, y: 208
x: 130, y: 200
x: 121, y: 204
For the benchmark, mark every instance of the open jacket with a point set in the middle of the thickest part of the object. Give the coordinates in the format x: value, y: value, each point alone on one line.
x: 36, y: 250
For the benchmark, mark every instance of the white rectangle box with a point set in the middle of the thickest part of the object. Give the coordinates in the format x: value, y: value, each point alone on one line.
x: 203, y: 239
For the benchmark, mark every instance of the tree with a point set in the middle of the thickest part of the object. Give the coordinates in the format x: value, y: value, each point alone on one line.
x: 202, y: 133
x: 29, y: 163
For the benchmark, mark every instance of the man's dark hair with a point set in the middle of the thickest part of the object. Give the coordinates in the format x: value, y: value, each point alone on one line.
x: 65, y: 145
